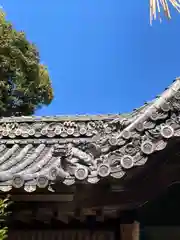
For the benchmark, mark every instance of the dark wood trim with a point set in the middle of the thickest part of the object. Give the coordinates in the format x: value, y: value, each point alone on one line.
x: 130, y: 231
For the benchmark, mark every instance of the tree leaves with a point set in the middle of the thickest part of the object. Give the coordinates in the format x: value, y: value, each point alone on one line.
x: 4, y: 204
x: 25, y: 84
x: 157, y: 5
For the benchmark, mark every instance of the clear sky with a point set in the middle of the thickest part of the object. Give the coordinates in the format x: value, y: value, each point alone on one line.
x: 102, y: 55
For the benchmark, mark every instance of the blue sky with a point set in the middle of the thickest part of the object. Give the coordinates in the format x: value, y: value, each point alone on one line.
x: 102, y: 55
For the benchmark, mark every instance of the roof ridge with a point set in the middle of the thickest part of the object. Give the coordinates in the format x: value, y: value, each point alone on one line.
x: 61, y: 118
x: 157, y: 104
x: 86, y: 117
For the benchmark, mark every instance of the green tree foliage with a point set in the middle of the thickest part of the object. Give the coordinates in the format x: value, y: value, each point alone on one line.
x: 156, y: 6
x: 24, y: 83
x: 4, y: 203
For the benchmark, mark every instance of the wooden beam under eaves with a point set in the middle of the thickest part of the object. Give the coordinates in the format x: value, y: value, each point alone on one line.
x: 43, y: 198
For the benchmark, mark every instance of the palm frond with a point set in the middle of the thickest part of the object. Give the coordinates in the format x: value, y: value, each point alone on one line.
x: 157, y: 5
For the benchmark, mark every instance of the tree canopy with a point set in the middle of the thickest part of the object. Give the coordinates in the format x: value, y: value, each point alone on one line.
x: 4, y: 203
x: 25, y: 84
x: 157, y: 5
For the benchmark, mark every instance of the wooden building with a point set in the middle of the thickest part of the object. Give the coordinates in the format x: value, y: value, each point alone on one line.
x: 94, y: 177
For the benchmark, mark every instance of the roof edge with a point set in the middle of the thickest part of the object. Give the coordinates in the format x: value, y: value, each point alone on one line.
x: 94, y: 117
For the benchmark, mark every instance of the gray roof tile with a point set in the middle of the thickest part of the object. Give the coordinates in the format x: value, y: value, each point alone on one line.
x: 38, y: 151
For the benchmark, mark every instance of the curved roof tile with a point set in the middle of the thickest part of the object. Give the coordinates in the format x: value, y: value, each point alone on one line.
x: 38, y: 151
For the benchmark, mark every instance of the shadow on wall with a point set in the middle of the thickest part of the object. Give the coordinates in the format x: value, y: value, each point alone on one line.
x: 160, y: 218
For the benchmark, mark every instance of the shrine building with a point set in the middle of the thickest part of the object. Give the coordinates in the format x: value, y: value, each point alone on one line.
x: 100, y: 177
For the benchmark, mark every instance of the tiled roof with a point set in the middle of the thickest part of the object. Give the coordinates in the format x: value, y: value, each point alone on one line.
x: 38, y: 151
